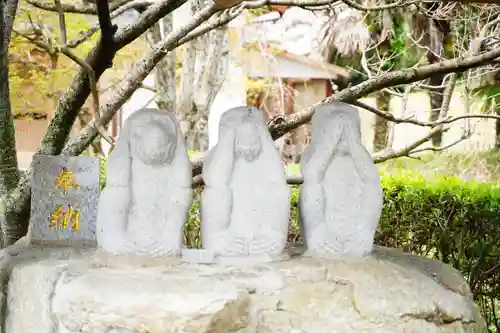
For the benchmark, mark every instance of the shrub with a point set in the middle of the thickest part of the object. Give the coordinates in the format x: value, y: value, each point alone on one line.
x: 451, y: 220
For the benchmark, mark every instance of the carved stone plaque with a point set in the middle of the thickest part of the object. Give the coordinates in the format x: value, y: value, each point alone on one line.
x: 64, y: 199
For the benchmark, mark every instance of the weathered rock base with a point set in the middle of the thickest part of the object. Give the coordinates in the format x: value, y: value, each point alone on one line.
x: 64, y: 290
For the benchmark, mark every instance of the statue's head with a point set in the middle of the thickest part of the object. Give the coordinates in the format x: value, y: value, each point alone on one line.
x: 244, y: 137
x: 153, y: 140
x: 247, y: 124
x: 339, y: 122
x: 149, y: 135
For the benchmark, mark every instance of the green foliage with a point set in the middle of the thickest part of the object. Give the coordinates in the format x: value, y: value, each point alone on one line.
x: 253, y: 13
x: 397, y: 50
x: 102, y: 172
x: 483, y: 165
x: 401, y: 52
x: 192, y: 227
x: 36, y: 76
x: 489, y: 97
x: 450, y: 220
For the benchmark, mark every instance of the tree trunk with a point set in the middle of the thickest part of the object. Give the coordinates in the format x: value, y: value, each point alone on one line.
x: 436, y: 100
x: 497, y: 131
x: 165, y: 79
x: 381, y: 128
x: 438, y: 34
x: 209, y: 82
x: 12, y: 229
x: 204, y: 67
x: 185, y: 103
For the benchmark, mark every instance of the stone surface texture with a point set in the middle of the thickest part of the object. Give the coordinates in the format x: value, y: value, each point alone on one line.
x: 341, y: 198
x: 143, y: 208
x: 245, y: 205
x: 64, y: 187
x: 62, y: 290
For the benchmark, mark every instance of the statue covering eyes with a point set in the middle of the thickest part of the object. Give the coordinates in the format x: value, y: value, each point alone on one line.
x: 341, y: 197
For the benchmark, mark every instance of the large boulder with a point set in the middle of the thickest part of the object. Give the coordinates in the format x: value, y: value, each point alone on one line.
x: 65, y: 290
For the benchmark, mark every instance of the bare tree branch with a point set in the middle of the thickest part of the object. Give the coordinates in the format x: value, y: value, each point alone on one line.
x: 279, y: 127
x: 108, y: 30
x: 90, y: 8
x: 402, y: 111
x: 194, y: 28
x: 135, y: 4
x: 99, y: 59
x: 107, y: 33
x: 441, y: 148
x: 396, y: 4
x: 76, y: 7
x: 285, y: 124
x: 378, y: 157
x: 9, y: 14
x: 391, y: 153
x: 8, y: 156
x: 135, y: 77
x: 409, y: 120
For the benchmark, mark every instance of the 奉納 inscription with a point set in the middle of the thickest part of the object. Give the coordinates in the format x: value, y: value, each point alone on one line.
x: 65, y: 193
x: 61, y: 217
x: 66, y: 180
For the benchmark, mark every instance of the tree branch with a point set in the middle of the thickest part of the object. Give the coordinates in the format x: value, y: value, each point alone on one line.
x: 378, y: 157
x: 409, y: 120
x: 75, y: 96
x: 391, y: 153
x: 140, y: 5
x: 279, y: 127
x: 136, y: 76
x: 108, y: 30
x: 75, y: 8
x: 106, y: 39
x: 8, y: 155
x: 9, y: 14
x: 396, y: 4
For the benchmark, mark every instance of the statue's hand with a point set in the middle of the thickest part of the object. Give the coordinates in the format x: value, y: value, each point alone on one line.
x: 267, y: 241
x: 233, y: 245
x: 263, y: 245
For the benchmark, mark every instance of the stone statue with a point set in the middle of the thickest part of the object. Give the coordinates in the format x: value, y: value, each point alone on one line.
x: 144, y: 206
x: 341, y: 197
x: 246, y: 202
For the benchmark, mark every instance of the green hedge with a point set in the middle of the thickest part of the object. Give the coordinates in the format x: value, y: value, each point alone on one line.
x: 451, y: 220
x: 444, y: 218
